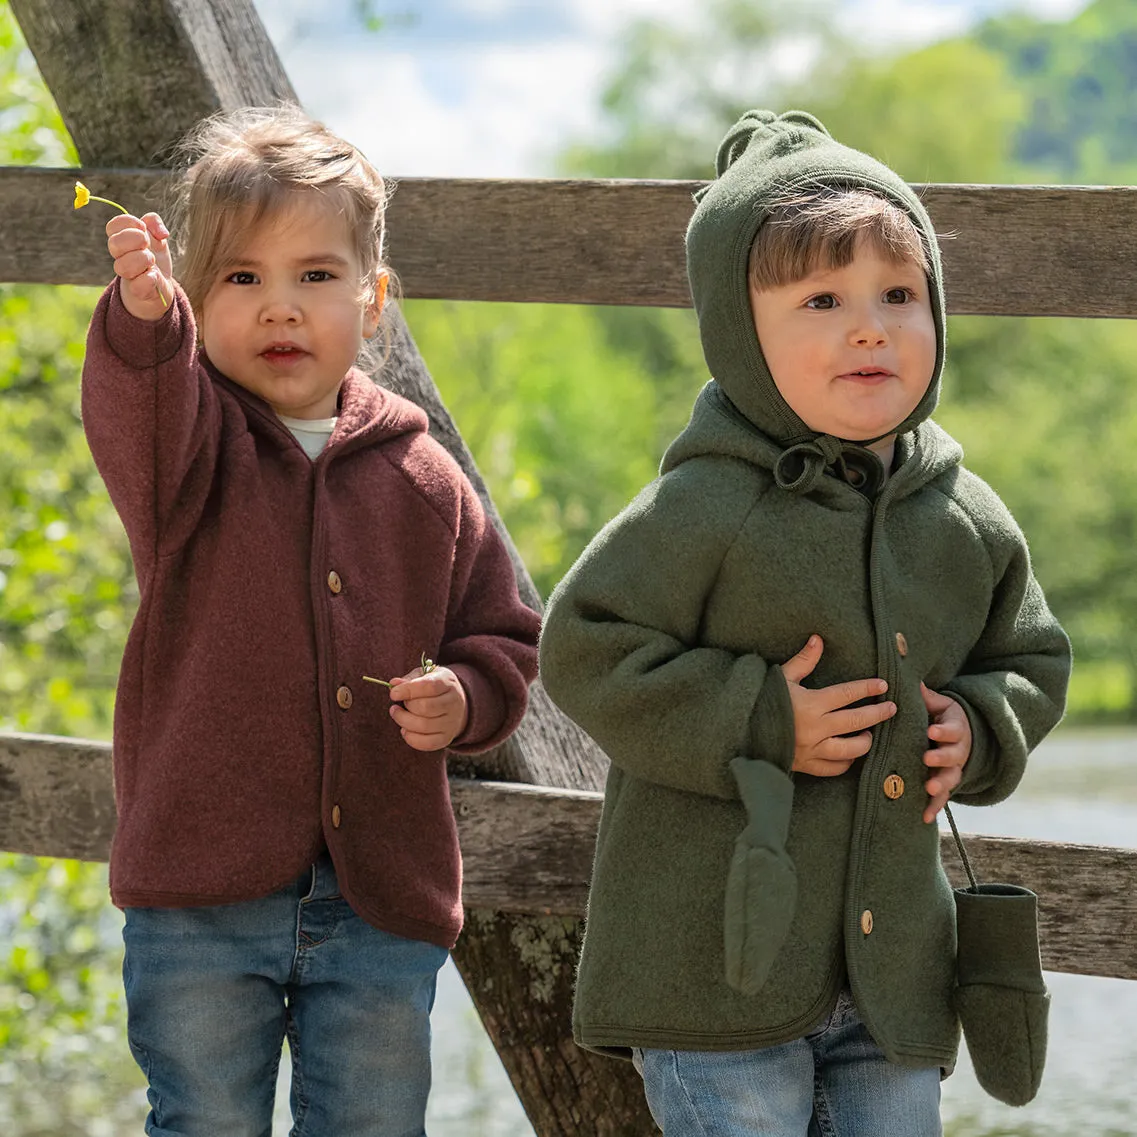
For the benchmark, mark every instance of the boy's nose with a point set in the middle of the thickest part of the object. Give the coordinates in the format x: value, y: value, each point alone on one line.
x: 868, y: 332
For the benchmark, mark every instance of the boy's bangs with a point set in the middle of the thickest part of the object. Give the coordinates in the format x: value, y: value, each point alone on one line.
x: 823, y: 232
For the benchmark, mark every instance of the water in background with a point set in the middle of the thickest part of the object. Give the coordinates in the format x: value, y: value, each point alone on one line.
x: 1080, y: 788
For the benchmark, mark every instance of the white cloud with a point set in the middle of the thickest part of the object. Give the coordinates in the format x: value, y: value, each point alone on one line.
x: 425, y: 103
x: 501, y: 112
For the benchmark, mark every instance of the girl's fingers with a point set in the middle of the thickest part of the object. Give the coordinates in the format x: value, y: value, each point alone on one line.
x: 425, y: 742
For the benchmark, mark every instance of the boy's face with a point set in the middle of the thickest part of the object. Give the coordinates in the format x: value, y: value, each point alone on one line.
x: 851, y: 350
x: 283, y: 318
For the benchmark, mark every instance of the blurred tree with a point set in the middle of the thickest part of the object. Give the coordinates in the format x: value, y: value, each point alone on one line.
x: 66, y: 598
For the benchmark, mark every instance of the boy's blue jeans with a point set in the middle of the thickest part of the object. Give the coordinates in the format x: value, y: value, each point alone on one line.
x: 834, y: 1082
x: 212, y: 993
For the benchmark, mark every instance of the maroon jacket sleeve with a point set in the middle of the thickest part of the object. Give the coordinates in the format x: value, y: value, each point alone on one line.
x: 491, y: 636
x: 152, y: 422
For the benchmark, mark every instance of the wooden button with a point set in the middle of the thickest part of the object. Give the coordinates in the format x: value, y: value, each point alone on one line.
x: 334, y: 582
x: 901, y: 643
x: 335, y: 816
x: 894, y: 786
x: 866, y: 922
x: 343, y: 697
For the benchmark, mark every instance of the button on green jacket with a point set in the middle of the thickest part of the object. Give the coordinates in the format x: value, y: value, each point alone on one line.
x: 664, y: 642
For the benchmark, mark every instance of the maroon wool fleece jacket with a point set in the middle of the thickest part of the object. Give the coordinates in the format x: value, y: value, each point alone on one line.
x: 244, y: 736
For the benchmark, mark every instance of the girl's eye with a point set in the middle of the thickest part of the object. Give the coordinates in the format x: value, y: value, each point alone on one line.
x: 241, y: 278
x: 897, y: 296
x: 822, y: 303
x: 317, y: 276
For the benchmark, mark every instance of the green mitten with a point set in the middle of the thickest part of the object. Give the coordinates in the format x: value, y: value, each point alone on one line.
x: 761, y: 886
x: 1001, y: 999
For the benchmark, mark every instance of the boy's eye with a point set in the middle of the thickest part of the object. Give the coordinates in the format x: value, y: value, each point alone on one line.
x: 822, y: 303
x: 897, y: 296
x: 316, y: 276
x: 241, y: 278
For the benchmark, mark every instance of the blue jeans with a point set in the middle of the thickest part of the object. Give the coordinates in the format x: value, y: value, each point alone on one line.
x: 212, y: 993
x: 834, y: 1082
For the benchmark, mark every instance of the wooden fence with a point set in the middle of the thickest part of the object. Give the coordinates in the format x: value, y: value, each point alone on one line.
x: 527, y: 813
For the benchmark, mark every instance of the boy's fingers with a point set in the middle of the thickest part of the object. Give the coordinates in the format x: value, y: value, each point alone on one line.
x: 844, y: 748
x: 797, y: 667
x: 858, y: 718
x: 854, y: 691
x: 934, y: 701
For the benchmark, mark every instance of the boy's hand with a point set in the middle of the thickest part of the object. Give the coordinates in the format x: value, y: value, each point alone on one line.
x: 820, y: 717
x: 141, y: 250
x: 951, y: 732
x: 433, y: 711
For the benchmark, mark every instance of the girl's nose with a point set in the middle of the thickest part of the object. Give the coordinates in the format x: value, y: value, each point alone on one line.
x: 280, y: 309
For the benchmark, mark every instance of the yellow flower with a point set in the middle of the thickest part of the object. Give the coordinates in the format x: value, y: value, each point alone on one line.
x: 83, y: 195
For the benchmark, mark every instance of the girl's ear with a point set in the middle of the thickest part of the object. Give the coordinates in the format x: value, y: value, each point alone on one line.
x: 375, y: 308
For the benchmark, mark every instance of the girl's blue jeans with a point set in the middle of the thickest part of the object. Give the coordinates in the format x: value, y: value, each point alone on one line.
x: 834, y: 1082
x: 212, y: 993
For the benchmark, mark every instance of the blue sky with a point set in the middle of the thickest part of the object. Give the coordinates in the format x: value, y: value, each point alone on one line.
x: 496, y: 88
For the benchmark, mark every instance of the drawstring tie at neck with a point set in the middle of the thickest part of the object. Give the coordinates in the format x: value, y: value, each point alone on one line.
x: 799, y: 468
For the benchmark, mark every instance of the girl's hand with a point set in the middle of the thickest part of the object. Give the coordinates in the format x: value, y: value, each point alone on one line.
x: 140, y: 247
x: 430, y: 707
x: 951, y: 732
x: 824, y: 719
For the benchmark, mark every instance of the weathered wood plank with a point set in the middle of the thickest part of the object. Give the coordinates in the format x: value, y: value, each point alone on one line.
x: 527, y: 851
x: 1014, y: 250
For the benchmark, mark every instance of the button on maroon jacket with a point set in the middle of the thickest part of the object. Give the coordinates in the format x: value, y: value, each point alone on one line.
x: 245, y: 738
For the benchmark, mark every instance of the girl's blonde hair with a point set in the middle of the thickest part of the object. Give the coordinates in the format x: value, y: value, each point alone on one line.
x: 822, y: 228
x: 245, y: 165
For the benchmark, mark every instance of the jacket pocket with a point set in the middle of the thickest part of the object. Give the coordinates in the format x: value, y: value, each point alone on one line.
x: 761, y: 884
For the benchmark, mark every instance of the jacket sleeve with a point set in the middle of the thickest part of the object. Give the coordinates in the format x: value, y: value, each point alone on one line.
x: 622, y: 651
x: 1013, y: 684
x: 151, y: 420
x: 490, y: 640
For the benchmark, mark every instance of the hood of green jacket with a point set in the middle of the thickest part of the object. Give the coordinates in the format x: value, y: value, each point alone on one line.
x: 763, y: 157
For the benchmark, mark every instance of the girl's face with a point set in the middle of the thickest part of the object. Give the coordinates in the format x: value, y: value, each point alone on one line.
x: 283, y: 317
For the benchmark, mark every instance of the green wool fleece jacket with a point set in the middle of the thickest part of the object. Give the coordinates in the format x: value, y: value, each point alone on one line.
x: 664, y: 642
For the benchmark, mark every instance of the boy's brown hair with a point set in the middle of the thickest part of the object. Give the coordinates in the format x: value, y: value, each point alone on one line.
x: 822, y: 228
x: 245, y: 165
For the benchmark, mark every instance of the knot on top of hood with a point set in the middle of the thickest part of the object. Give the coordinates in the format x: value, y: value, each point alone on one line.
x: 782, y: 133
x: 799, y: 468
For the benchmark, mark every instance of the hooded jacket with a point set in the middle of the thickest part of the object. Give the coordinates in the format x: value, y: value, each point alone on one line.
x: 245, y: 738
x: 665, y: 639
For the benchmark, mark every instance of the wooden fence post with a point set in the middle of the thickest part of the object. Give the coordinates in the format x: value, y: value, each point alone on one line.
x: 130, y: 78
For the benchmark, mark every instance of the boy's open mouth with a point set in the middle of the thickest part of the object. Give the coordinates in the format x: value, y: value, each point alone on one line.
x: 284, y: 353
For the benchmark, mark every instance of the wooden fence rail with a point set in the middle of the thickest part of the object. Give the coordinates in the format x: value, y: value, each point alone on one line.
x: 528, y: 850
x: 1012, y: 250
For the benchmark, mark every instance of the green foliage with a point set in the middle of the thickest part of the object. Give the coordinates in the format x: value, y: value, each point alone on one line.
x: 65, y: 1067
x: 66, y: 597
x: 563, y: 428
x: 1079, y: 78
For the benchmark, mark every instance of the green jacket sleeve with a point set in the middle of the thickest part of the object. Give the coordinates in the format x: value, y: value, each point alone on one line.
x: 622, y: 652
x: 1013, y: 684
